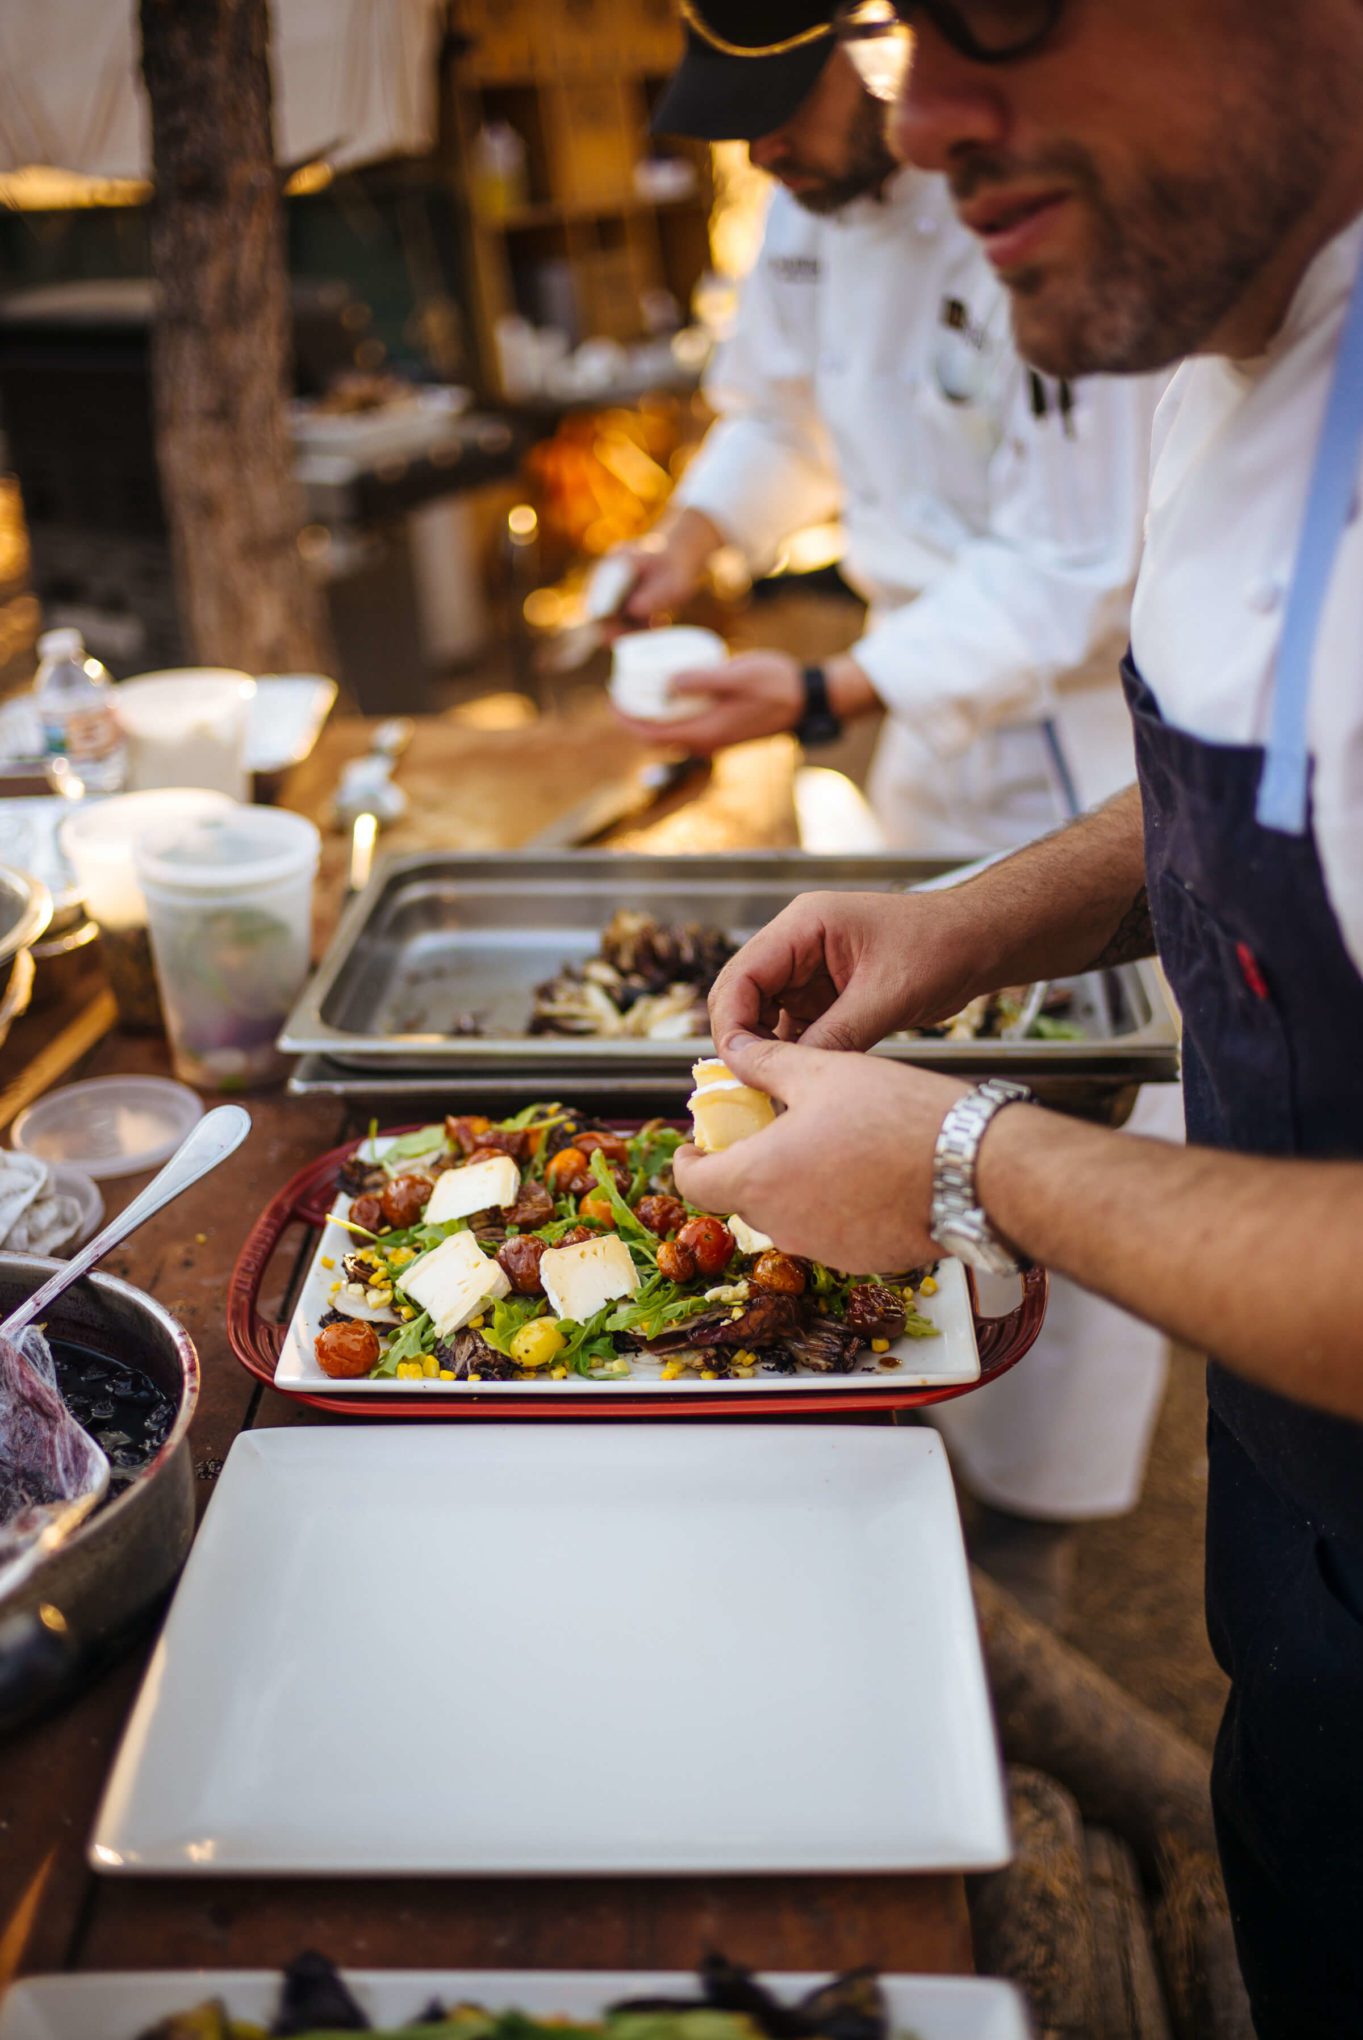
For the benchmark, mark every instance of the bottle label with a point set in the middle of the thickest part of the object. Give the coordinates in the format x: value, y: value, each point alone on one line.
x: 91, y: 734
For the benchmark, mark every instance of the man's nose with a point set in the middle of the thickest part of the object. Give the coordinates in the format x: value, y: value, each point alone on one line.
x: 768, y: 152
x: 946, y: 107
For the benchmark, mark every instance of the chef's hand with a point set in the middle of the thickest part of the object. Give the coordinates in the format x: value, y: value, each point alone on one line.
x: 669, y: 566
x: 757, y: 694
x: 845, y: 1174
x: 843, y: 970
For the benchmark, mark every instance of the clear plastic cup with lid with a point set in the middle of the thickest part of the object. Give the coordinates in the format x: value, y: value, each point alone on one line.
x: 98, y: 839
x: 229, y: 901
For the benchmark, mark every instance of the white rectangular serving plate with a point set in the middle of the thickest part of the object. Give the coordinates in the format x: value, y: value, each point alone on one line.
x: 944, y: 1362
x: 120, y: 2007
x: 519, y: 1650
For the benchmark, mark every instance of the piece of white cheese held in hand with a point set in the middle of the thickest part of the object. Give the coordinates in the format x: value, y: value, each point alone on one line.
x: 453, y: 1282
x: 724, y: 1110
x: 581, y: 1280
x: 478, y: 1186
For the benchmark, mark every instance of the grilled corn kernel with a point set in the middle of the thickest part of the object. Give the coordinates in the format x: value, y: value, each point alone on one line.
x: 537, y: 1343
x: 430, y: 1367
x: 559, y: 1373
x: 447, y: 1374
x: 880, y: 1345
x: 477, y: 1323
x: 671, y: 1370
x: 328, y: 1261
x: 735, y: 1315
x: 929, y: 1285
x: 744, y: 1358
x: 406, y: 1312
x: 335, y: 1289
x: 474, y: 1377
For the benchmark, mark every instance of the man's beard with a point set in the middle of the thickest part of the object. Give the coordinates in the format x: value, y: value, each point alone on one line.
x: 869, y: 164
x: 1167, y: 263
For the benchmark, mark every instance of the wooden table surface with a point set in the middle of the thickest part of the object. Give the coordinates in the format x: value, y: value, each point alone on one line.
x: 468, y: 788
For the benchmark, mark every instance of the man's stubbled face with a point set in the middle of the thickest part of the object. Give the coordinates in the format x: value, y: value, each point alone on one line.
x: 833, y: 149
x: 1132, y: 179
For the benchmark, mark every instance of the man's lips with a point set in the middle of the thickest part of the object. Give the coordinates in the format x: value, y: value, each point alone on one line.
x: 1012, y: 225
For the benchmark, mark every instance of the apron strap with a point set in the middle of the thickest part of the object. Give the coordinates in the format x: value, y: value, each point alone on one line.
x: 1283, y: 785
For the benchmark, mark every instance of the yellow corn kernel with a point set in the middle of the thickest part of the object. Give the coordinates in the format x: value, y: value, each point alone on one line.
x: 880, y: 1345
x: 335, y: 1289
x: 708, y: 1374
x: 558, y: 1374
x: 671, y: 1369
x: 473, y: 1377
x: 406, y: 1312
x: 447, y: 1374
x: 929, y: 1285
x: 328, y: 1261
x: 430, y: 1367
x: 478, y: 1322
x: 736, y: 1314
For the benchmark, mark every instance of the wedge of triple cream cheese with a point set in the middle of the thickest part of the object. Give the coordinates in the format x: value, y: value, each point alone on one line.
x: 475, y: 1187
x: 453, y: 1282
x: 581, y: 1280
x: 724, y: 1110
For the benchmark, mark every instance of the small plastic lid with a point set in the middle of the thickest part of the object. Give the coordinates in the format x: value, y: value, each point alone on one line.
x: 109, y: 1126
x: 239, y: 850
x: 61, y: 644
x: 672, y: 649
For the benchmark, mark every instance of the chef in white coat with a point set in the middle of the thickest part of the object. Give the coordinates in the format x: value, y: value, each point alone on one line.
x: 992, y: 516
x: 993, y: 522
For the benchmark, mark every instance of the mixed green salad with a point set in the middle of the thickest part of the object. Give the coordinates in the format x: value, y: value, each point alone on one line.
x: 551, y: 1245
x: 730, y: 2004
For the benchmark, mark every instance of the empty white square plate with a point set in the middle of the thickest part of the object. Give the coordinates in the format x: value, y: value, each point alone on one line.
x: 122, y: 2007
x: 564, y: 1649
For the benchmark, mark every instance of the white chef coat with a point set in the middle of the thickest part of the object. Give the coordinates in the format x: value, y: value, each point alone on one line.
x: 1235, y: 443
x: 872, y: 373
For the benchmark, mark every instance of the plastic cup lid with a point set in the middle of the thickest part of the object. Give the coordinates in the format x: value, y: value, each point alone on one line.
x: 109, y: 1126
x: 239, y: 850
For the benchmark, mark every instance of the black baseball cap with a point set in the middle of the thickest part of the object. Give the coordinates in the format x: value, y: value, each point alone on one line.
x: 749, y: 65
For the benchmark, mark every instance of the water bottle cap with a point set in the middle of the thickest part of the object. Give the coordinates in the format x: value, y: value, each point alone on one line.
x: 61, y: 644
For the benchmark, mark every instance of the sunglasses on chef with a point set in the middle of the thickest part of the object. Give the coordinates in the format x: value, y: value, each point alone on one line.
x: 878, y: 34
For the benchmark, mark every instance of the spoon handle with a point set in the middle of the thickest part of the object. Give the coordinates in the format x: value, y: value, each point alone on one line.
x: 215, y: 1137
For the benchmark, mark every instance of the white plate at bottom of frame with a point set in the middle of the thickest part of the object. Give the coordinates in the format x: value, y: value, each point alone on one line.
x: 120, y: 2007
x: 950, y: 1360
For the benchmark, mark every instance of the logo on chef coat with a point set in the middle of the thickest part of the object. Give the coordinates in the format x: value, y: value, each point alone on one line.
x: 960, y: 359
x: 794, y: 268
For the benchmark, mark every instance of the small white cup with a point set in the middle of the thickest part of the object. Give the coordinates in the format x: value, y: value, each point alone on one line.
x: 187, y: 727
x: 644, y: 661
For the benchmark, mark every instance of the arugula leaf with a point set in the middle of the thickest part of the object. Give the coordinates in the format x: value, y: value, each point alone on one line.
x: 648, y: 1314
x: 425, y: 1140
x: 916, y: 1326
x: 650, y: 1154
x: 405, y: 1344
x: 588, y: 1345
x: 636, y: 1235
x: 509, y: 1313
x: 531, y: 1115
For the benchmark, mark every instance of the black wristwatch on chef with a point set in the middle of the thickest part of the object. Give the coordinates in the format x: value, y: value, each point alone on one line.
x: 818, y: 725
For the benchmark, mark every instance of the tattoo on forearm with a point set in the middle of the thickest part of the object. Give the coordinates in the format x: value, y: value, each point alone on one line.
x: 1132, y: 938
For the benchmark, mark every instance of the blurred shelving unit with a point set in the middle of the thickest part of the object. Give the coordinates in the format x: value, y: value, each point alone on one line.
x: 576, y: 236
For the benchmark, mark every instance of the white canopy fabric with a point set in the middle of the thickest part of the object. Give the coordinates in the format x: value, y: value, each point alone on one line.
x: 354, y: 80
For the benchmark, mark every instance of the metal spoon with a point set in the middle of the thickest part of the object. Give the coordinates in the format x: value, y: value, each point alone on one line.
x: 211, y: 1141
x: 1019, y: 1029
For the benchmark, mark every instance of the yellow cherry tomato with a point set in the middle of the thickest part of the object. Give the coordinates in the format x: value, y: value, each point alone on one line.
x: 537, y: 1343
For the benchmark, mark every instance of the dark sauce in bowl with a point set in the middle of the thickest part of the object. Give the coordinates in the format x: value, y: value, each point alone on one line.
x: 124, y: 1411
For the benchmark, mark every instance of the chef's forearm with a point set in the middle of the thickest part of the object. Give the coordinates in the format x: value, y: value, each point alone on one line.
x: 1074, y: 901
x: 1254, y: 1261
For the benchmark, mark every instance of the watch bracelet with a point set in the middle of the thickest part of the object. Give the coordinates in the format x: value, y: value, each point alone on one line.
x: 956, y: 1152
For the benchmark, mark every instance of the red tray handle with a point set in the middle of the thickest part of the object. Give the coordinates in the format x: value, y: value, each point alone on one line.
x: 305, y: 1200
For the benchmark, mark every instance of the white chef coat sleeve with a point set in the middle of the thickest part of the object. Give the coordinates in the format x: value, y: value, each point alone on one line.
x: 1035, y: 594
x: 767, y: 466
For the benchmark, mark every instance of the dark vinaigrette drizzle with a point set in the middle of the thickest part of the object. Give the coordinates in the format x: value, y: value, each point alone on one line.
x: 124, y: 1411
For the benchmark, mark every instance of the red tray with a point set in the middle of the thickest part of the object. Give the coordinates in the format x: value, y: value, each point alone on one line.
x: 306, y: 1200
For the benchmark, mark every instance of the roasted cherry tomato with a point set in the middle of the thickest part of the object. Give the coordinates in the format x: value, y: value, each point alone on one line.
x: 780, y: 1274
x: 598, y: 1208
x: 467, y: 1133
x: 711, y: 1242
x: 405, y: 1199
x: 567, y: 1172
x: 608, y: 1144
x: 575, y: 1236
x: 660, y: 1214
x: 519, y: 1259
x: 534, y: 1206
x: 368, y: 1212
x: 347, y: 1350
x: 502, y: 1140
x: 675, y: 1261
x: 487, y: 1154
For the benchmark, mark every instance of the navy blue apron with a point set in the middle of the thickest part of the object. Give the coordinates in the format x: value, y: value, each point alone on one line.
x: 1272, y: 1008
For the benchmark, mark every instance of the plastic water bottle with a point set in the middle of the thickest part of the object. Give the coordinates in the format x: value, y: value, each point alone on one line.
x: 86, y: 754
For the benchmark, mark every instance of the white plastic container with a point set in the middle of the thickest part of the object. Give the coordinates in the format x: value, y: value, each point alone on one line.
x: 229, y: 901
x: 644, y: 661
x: 187, y: 727
x: 97, y: 840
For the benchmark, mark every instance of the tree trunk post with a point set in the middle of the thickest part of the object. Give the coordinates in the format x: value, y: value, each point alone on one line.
x: 221, y: 339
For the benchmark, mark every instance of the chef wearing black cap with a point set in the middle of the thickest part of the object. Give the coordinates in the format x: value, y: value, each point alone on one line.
x: 992, y: 516
x: 994, y: 524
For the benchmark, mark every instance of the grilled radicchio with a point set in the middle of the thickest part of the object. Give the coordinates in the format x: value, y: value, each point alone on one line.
x: 52, y: 1473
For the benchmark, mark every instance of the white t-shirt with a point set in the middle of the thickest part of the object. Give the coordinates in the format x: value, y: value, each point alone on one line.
x: 1234, y: 447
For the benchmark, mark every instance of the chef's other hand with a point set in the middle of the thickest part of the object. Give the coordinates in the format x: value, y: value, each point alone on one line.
x: 845, y: 1174
x: 843, y: 970
x: 669, y: 566
x: 758, y: 694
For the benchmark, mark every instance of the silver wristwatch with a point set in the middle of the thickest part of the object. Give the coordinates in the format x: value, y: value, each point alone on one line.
x: 958, y: 1223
